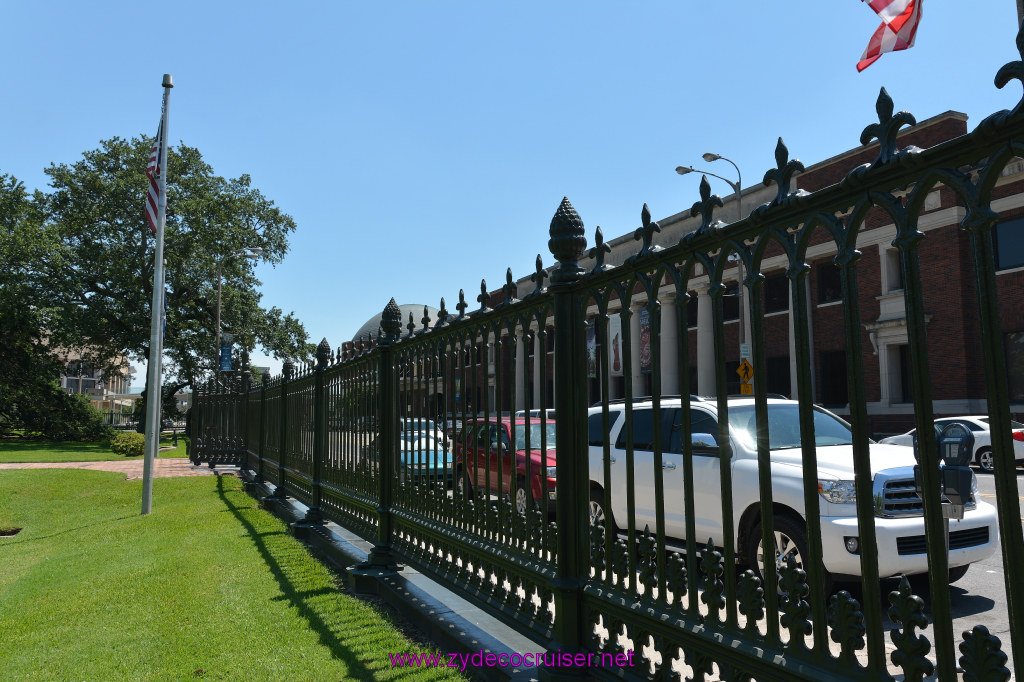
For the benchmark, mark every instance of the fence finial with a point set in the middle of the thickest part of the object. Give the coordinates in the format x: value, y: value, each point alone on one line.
x: 568, y: 242
x: 391, y: 322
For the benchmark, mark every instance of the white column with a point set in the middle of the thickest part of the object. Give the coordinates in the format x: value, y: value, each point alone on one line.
x: 634, y: 349
x: 705, y: 345
x: 669, y: 346
x: 520, y: 374
x: 792, y: 342
x: 538, y: 380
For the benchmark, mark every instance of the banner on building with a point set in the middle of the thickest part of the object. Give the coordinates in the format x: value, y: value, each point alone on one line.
x: 615, y: 346
x: 592, y: 349
x: 645, y: 341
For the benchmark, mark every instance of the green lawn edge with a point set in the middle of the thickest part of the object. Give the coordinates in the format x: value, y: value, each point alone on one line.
x: 17, y: 451
x: 206, y: 586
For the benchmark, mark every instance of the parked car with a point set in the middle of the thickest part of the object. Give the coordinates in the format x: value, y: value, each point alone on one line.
x: 425, y: 460
x: 492, y: 455
x: 536, y: 414
x: 982, y: 439
x: 422, y: 458
x: 899, y: 523
x: 422, y: 427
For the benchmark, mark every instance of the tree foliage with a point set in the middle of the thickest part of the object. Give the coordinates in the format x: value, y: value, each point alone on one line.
x: 78, y: 263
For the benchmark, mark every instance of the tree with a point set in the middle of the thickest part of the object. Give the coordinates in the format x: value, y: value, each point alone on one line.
x: 97, y: 272
x: 32, y: 398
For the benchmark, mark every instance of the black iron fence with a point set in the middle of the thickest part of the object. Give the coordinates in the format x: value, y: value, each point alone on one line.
x: 649, y: 523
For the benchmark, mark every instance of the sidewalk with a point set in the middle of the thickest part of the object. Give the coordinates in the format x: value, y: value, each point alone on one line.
x: 132, y: 469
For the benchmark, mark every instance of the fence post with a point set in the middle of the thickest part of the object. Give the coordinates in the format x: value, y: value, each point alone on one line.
x: 568, y: 243
x: 288, y: 370
x: 391, y: 325
x: 323, y: 354
x: 263, y: 430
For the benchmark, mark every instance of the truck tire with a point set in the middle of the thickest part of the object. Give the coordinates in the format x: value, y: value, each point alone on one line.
x: 790, y: 540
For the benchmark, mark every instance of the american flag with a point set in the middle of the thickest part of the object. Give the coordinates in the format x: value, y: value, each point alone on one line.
x: 153, y: 173
x: 897, y: 31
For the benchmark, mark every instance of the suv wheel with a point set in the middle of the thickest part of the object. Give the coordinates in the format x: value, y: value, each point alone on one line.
x: 790, y: 541
x: 598, y: 510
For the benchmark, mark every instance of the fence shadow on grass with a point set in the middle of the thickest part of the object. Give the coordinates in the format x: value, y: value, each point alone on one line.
x: 355, y: 640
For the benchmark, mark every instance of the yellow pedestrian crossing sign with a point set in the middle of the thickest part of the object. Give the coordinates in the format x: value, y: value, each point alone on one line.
x: 746, y: 371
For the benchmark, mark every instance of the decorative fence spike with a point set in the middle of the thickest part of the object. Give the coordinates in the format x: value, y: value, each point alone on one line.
x: 483, y: 297
x: 886, y: 130
x: 706, y: 209
x: 599, y: 251
x: 911, y: 654
x: 983, y: 659
x: 538, y: 278
x: 646, y: 233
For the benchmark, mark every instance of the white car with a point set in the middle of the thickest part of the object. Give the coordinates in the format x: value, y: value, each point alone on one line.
x: 982, y: 439
x: 899, y: 522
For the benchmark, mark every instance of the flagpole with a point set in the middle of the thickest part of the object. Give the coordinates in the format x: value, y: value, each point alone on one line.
x: 154, y: 396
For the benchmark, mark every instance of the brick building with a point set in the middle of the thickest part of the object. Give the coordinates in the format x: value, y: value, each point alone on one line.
x: 950, y: 304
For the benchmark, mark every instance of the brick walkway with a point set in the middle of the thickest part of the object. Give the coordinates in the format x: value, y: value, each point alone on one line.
x: 132, y: 469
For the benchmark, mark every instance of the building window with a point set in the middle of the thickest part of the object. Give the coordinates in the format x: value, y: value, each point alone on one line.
x: 893, y: 271
x: 899, y: 374
x: 730, y: 304
x: 829, y: 282
x: 691, y: 310
x: 1015, y: 364
x: 1008, y: 244
x: 833, y: 378
x: 777, y: 375
x: 776, y: 293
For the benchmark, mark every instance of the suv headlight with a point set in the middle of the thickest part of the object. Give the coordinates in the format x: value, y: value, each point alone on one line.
x: 837, y: 492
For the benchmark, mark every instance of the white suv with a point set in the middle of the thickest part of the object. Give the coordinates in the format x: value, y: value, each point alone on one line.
x: 899, y: 519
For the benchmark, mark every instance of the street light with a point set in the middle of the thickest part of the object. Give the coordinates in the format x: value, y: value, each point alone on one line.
x: 737, y: 187
x: 248, y: 252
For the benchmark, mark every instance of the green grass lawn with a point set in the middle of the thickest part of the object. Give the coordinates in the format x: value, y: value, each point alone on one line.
x: 206, y: 586
x: 33, y: 451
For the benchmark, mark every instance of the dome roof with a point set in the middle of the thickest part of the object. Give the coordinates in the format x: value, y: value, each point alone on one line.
x: 372, y: 325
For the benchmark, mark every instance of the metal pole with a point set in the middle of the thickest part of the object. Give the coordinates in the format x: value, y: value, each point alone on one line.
x: 153, y: 382
x: 220, y: 278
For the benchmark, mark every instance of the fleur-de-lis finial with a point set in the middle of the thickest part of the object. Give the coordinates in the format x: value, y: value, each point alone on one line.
x: 483, y: 297
x: 442, y: 315
x: 411, y: 326
x: 538, y: 277
x: 510, y: 288
x: 706, y: 208
x: 782, y: 174
x: 1008, y: 72
x: 462, y: 305
x: 425, y: 320
x: 646, y: 232
x: 887, y: 128
x: 599, y: 251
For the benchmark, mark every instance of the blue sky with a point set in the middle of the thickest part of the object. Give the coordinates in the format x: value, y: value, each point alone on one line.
x: 422, y: 146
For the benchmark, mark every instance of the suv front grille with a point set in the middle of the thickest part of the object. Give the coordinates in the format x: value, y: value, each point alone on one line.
x: 958, y: 539
x: 900, y: 498
x: 896, y: 494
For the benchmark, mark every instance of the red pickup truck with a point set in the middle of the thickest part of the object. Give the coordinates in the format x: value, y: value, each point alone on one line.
x: 492, y: 454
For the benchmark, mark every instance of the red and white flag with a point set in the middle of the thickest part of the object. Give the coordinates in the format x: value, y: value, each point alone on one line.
x: 897, y: 31
x: 153, y: 173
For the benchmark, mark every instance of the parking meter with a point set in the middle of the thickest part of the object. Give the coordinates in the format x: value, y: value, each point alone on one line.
x: 956, y: 447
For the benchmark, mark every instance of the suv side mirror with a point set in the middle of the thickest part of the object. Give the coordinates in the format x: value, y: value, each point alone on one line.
x: 703, y: 440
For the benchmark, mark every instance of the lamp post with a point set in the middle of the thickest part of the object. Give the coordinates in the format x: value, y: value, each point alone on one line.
x: 737, y: 187
x: 248, y: 252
